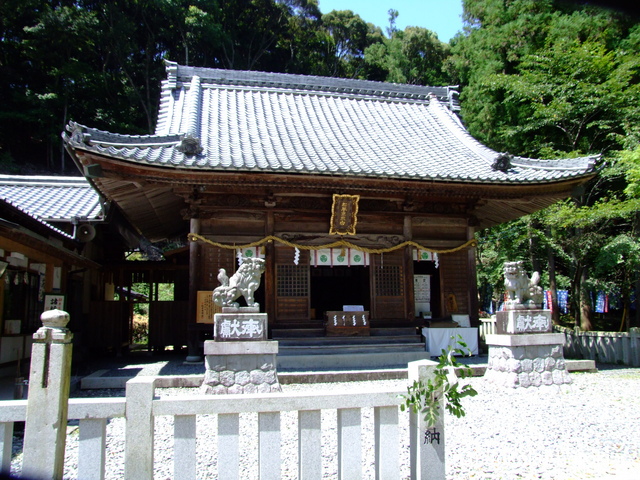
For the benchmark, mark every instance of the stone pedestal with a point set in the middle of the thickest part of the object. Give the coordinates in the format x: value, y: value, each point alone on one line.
x: 240, y: 359
x: 527, y: 360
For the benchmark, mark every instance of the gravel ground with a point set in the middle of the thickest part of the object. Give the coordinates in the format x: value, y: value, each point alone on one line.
x: 587, y: 430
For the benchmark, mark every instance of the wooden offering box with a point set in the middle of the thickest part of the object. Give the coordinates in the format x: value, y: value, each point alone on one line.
x: 346, y: 324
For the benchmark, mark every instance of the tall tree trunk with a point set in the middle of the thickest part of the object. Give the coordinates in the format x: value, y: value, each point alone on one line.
x: 64, y: 124
x: 585, y: 303
x: 553, y: 286
x: 534, y: 246
x: 636, y: 234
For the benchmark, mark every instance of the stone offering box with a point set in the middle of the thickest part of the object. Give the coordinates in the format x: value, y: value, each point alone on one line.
x: 347, y: 324
x: 521, y: 321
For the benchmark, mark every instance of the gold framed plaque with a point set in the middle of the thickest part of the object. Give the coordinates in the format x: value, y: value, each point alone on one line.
x: 344, y: 214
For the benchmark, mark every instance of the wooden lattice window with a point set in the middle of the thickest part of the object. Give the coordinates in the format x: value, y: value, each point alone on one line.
x: 388, y: 281
x: 293, y: 280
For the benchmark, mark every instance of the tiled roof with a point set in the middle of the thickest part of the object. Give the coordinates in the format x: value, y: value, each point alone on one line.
x: 221, y: 120
x: 51, y: 200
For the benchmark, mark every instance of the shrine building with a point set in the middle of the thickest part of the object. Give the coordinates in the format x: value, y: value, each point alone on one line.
x: 360, y: 195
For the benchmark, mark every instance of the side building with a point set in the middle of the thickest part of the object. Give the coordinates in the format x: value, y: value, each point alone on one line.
x: 56, y: 235
x: 357, y: 193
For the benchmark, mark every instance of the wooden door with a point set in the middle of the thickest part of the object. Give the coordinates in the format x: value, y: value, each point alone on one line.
x: 388, y: 287
x: 108, y: 326
x: 168, y: 323
x: 292, y: 287
x: 212, y: 260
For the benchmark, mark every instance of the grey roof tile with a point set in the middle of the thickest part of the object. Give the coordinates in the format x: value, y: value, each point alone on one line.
x: 51, y: 199
x: 267, y: 122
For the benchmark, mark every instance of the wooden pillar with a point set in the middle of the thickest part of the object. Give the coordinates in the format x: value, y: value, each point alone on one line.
x: 193, y: 346
x: 408, y: 268
x: 270, y: 274
x: 473, y: 280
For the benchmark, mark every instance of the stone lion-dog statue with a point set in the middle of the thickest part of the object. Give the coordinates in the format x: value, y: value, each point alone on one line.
x: 522, y: 291
x: 244, y: 283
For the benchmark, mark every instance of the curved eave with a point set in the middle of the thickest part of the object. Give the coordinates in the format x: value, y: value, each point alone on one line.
x: 181, y: 174
x: 147, y: 194
x: 510, y: 177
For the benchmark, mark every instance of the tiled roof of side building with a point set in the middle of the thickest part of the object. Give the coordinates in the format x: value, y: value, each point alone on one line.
x: 51, y: 199
x: 221, y: 120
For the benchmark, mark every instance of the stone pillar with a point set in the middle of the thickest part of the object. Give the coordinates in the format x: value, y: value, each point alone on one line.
x: 49, y: 380
x: 240, y: 359
x: 427, y: 445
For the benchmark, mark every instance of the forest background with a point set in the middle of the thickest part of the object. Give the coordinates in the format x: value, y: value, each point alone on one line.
x: 543, y: 78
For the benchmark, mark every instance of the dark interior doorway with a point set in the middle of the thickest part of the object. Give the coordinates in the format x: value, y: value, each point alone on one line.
x: 333, y: 287
x: 429, y: 268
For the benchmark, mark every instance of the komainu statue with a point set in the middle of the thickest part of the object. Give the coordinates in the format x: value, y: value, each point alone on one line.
x: 522, y: 291
x: 244, y: 283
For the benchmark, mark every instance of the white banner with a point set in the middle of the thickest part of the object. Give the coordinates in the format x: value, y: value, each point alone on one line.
x: 339, y: 257
x: 253, y: 252
x: 422, y: 255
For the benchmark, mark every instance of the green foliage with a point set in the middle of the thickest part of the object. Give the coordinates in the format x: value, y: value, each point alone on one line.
x: 618, y: 259
x: 140, y: 330
x: 556, y: 80
x: 425, y: 398
x: 547, y: 76
x: 630, y: 161
x: 414, y: 56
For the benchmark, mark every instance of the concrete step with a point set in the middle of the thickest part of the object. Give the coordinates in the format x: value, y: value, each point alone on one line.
x: 397, y: 331
x: 278, y: 333
x: 348, y: 361
x: 355, y: 340
x: 350, y: 349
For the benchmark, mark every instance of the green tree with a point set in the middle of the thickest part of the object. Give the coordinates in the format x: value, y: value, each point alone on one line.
x: 414, y: 56
x: 552, y: 79
x: 349, y: 37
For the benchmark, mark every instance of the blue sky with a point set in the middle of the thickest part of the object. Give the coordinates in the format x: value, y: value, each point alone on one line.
x: 441, y: 16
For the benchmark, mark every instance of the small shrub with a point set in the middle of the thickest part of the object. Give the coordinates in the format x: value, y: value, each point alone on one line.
x: 140, y: 331
x: 425, y: 398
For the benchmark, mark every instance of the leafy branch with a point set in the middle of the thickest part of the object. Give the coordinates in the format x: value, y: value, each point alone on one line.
x: 426, y: 397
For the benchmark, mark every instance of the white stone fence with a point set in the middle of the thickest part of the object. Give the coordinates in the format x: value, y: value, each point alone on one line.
x: 45, y: 433
x: 486, y: 327
x: 604, y: 347
x: 140, y: 409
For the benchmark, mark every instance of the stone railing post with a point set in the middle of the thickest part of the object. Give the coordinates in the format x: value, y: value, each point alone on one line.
x: 427, y: 445
x: 139, y: 430
x: 49, y: 380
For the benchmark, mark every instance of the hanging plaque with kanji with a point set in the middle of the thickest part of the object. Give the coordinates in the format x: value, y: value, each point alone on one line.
x: 344, y: 214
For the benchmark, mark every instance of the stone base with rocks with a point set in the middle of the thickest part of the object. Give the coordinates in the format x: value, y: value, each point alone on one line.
x: 240, y: 367
x: 526, y: 360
